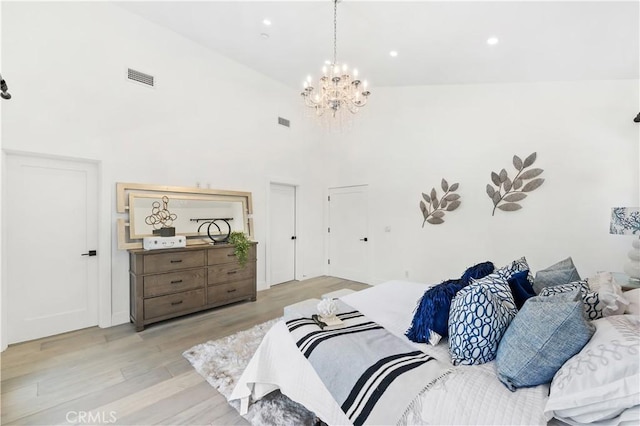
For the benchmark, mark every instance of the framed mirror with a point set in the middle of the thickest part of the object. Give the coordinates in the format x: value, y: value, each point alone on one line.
x: 201, y: 215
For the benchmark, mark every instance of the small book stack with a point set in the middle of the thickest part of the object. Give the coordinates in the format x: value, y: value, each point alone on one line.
x: 327, y: 323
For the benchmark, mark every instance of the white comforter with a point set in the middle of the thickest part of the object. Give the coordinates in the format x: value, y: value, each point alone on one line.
x: 471, y: 395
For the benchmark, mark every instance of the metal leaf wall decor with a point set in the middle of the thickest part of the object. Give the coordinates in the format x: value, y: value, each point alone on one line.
x: 507, y: 193
x: 433, y: 209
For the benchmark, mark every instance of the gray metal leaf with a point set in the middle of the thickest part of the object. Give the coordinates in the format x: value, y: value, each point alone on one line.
x: 517, y: 184
x: 503, y: 175
x: 530, y: 186
x: 434, y: 195
x: 515, y: 196
x: 435, y: 220
x: 510, y: 207
x: 490, y: 190
x: 453, y: 205
x: 423, y: 206
x: 496, y: 198
x: 454, y: 187
x: 451, y: 197
x: 517, y: 162
x: 445, y: 185
x: 438, y: 213
x: 529, y: 174
x: 426, y: 197
x: 443, y: 203
x: 529, y: 160
x: 507, y: 185
x: 495, y: 179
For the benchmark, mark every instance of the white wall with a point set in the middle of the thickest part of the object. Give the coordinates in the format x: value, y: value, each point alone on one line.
x: 413, y: 137
x: 209, y: 120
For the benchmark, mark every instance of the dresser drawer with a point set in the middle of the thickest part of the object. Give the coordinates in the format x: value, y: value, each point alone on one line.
x: 226, y: 272
x: 238, y: 289
x: 173, y: 282
x: 227, y: 254
x: 172, y: 261
x: 173, y: 303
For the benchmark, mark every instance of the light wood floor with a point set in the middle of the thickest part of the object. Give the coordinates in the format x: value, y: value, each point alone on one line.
x: 133, y: 378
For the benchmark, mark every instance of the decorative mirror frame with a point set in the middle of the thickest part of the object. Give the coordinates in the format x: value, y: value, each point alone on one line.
x: 125, y: 191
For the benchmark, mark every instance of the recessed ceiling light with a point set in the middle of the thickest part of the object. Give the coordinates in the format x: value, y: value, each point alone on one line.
x: 264, y: 35
x: 266, y: 22
x: 492, y: 40
x: 393, y: 53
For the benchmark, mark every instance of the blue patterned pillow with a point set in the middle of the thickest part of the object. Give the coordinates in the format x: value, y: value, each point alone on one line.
x: 480, y: 314
x: 590, y: 299
x: 517, y: 265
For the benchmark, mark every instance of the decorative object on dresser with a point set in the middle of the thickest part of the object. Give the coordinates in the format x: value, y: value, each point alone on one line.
x: 169, y: 283
x: 161, y: 218
x: 433, y: 209
x: 508, y: 191
x: 626, y: 221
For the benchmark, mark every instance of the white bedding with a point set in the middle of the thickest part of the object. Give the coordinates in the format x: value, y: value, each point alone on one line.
x: 471, y: 395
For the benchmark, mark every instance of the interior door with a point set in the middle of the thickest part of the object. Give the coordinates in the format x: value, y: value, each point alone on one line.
x: 51, y: 227
x: 282, y: 233
x: 348, y: 233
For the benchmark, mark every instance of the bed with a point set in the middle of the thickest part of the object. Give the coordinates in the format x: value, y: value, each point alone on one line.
x: 460, y: 394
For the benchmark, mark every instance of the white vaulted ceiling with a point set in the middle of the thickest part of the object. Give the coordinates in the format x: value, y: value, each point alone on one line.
x: 437, y: 42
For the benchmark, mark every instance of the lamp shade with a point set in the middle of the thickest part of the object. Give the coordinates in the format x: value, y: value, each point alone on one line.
x: 625, y: 220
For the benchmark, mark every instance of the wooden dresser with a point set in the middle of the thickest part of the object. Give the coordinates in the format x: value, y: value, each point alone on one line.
x: 168, y: 283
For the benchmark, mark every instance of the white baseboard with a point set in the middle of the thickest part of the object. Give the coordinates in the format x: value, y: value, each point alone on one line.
x: 118, y: 318
x: 262, y: 285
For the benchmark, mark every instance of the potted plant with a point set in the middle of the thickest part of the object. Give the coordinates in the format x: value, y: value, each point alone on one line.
x: 241, y: 245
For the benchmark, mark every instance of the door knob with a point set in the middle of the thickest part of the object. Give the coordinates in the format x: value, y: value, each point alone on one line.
x: 90, y: 253
x: 365, y: 239
x: 294, y: 237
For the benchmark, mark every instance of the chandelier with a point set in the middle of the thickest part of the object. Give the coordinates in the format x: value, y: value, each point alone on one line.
x: 337, y: 89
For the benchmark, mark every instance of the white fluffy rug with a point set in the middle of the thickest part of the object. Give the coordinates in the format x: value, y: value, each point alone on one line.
x: 222, y: 361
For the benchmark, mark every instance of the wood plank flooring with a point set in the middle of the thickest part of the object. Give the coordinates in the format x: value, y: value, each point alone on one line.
x: 118, y: 376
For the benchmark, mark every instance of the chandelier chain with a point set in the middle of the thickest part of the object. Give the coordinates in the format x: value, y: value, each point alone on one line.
x: 335, y: 31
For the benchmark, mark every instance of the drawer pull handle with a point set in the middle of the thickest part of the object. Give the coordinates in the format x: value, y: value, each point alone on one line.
x: 176, y: 282
x: 232, y: 272
x: 176, y: 303
x: 176, y: 261
x: 231, y: 291
x: 231, y: 255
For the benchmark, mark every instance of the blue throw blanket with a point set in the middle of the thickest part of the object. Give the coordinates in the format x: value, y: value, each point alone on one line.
x: 372, y: 374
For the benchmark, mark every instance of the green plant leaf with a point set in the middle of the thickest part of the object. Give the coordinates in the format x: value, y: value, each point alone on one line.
x: 445, y: 185
x: 495, y: 179
x: 531, y: 173
x: 454, y: 187
x: 530, y: 186
x: 453, y: 205
x: 509, y: 207
x: 529, y: 160
x: 503, y: 175
x: 515, y: 196
x: 517, y: 184
x: 438, y: 213
x: 435, y: 220
x: 490, y: 190
x: 426, y: 197
x: 451, y: 197
x: 517, y: 162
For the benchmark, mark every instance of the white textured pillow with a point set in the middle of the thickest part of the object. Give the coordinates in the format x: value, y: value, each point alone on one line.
x: 603, y: 380
x: 633, y: 296
x: 612, y: 300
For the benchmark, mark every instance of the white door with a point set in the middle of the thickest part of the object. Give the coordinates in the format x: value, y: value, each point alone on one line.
x: 282, y: 233
x: 51, y: 225
x: 348, y: 233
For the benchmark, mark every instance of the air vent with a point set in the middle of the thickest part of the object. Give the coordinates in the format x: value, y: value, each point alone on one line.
x: 140, y: 77
x: 284, y: 122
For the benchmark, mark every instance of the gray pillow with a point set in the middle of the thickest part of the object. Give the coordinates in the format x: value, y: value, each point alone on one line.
x: 546, y: 332
x: 563, y: 272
